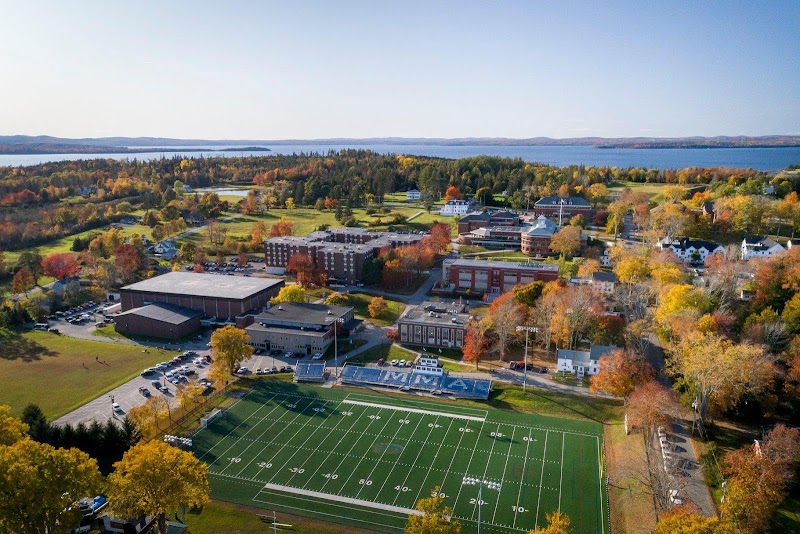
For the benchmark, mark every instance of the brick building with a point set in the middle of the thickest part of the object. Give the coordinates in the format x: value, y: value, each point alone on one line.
x: 535, y: 240
x: 340, y: 252
x: 434, y: 324
x: 214, y: 295
x: 493, y: 237
x: 483, y: 219
x: 493, y: 277
x: 159, y: 320
x: 562, y: 208
x: 299, y: 327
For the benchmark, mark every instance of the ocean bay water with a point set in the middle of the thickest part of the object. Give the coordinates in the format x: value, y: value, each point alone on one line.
x: 764, y: 159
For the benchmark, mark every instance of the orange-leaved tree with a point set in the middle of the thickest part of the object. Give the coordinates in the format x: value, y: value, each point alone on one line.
x: 452, y: 193
x: 620, y: 372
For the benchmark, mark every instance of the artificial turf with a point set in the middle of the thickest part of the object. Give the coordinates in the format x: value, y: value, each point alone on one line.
x: 364, y: 459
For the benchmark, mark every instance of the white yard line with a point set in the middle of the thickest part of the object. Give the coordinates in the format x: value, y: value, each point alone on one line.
x: 339, y: 498
x: 421, y: 489
x: 419, y: 452
x: 541, y: 480
x: 283, y: 446
x: 317, y: 427
x: 378, y: 461
x: 471, y: 456
x: 246, y: 419
x: 600, y: 464
x: 330, y: 452
x: 415, y: 410
x: 561, y: 480
x: 314, y: 452
x: 464, y: 409
x: 522, y: 478
x: 485, y: 470
x: 505, y: 467
x: 270, y: 442
x: 353, y: 470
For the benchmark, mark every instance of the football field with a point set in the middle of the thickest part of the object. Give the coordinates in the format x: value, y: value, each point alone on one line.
x: 364, y: 459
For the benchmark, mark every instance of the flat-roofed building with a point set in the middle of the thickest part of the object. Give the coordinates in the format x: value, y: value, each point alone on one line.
x: 509, y: 237
x: 434, y: 324
x: 562, y: 208
x: 340, y: 252
x: 160, y: 320
x: 482, y: 219
x: 493, y: 277
x: 299, y: 327
x: 224, y: 297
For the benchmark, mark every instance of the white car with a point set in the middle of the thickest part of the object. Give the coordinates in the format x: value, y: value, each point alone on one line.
x: 394, y: 363
x: 402, y: 363
x: 117, y: 408
x: 243, y: 370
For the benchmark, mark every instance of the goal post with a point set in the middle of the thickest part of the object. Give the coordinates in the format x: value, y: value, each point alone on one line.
x: 205, y: 419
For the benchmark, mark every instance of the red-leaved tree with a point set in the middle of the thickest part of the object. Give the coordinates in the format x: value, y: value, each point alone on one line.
x: 60, y: 265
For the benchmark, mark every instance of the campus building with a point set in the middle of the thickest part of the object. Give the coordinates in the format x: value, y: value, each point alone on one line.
x: 457, y: 207
x: 493, y: 277
x: 535, y: 240
x: 758, y: 247
x: 435, y: 324
x: 562, y: 208
x: 691, y: 250
x: 298, y: 327
x: 583, y: 362
x: 483, y: 219
x: 173, y: 303
x: 339, y: 252
x: 506, y: 237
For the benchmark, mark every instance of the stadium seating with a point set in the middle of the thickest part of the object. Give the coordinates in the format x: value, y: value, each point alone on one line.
x: 465, y: 388
x: 309, y: 372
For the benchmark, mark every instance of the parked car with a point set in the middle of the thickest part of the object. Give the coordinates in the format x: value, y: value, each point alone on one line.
x: 381, y: 362
x: 117, y: 408
x: 394, y: 363
x: 144, y: 391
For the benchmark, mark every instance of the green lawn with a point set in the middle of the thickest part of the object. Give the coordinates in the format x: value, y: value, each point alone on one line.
x: 387, y: 352
x: 360, y: 302
x: 61, y: 373
x: 343, y: 455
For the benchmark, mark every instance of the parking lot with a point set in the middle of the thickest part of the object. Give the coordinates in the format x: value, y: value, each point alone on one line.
x: 130, y: 394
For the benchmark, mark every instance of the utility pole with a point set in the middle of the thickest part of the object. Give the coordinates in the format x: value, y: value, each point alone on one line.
x: 526, y: 329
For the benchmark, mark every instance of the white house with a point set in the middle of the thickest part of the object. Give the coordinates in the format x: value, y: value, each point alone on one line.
x: 691, y: 250
x: 413, y: 194
x: 165, y: 250
x: 756, y: 247
x: 604, y: 282
x: 457, y: 207
x: 583, y: 362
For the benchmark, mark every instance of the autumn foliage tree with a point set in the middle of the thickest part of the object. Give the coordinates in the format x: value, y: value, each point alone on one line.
x: 377, y: 307
x: 436, y: 518
x: 452, y: 193
x: 758, y: 478
x: 23, y: 281
x: 306, y: 271
x: 620, y: 372
x: 60, y: 265
x: 281, y: 228
x: 293, y: 293
x: 475, y: 343
x: 567, y: 241
x: 504, y: 316
x: 230, y: 346
x: 557, y: 523
x: 155, y: 479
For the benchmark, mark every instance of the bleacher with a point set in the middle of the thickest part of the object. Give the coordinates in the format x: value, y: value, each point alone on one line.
x: 463, y: 388
x: 309, y: 372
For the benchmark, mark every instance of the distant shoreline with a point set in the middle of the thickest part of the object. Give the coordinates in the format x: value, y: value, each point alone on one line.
x: 38, y: 150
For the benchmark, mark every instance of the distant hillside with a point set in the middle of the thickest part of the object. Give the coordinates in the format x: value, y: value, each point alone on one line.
x: 44, y: 144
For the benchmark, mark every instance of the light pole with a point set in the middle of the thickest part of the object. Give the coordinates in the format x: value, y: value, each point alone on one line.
x: 470, y: 481
x: 526, y: 329
x: 336, y: 324
x: 113, y: 413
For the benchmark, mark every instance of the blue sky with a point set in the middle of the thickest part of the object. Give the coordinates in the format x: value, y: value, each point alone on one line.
x: 263, y: 70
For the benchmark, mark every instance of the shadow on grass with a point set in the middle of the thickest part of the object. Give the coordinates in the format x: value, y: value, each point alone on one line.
x: 15, y: 346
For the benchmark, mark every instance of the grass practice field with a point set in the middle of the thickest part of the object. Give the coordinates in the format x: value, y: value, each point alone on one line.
x: 365, y: 459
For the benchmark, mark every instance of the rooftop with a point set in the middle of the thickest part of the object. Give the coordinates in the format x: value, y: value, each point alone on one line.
x: 166, y: 313
x: 542, y: 227
x: 604, y: 276
x: 529, y: 265
x: 685, y: 243
x: 313, y: 314
x: 567, y: 201
x: 439, y: 313
x: 205, y: 285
